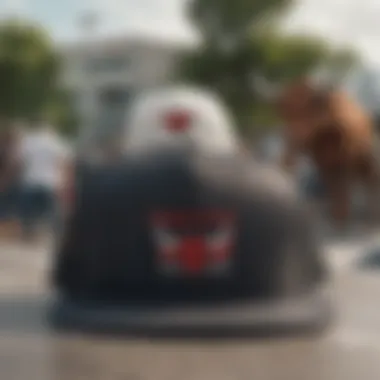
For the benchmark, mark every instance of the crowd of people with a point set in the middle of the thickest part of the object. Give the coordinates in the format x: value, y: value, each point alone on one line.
x: 32, y: 169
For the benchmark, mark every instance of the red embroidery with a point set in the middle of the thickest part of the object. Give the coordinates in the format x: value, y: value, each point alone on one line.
x: 193, y: 241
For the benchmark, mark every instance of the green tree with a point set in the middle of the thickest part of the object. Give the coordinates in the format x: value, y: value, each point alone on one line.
x: 288, y: 57
x: 29, y: 67
x: 61, y: 112
x: 340, y: 63
x: 227, y: 21
x: 240, y: 43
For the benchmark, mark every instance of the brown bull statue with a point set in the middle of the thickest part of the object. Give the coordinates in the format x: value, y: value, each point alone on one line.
x: 331, y: 129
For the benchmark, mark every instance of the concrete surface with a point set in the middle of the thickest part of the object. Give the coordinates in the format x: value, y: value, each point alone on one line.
x: 28, y: 350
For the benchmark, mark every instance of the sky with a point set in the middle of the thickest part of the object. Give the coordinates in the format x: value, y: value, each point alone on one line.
x: 343, y: 21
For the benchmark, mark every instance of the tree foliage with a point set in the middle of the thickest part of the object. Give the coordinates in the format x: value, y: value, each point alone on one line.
x: 231, y: 21
x: 28, y: 69
x: 240, y: 40
x: 61, y: 112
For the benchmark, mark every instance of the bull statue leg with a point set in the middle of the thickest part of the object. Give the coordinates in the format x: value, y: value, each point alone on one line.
x: 338, y: 197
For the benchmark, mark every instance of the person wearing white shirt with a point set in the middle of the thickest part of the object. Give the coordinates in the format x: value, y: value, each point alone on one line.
x: 43, y: 155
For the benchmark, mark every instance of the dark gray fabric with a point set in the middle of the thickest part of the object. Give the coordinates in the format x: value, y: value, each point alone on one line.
x: 108, y: 241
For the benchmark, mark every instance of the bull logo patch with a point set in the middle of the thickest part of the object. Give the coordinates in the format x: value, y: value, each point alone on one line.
x: 193, y: 243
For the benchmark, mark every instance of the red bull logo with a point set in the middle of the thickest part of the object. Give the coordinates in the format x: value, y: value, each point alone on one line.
x: 193, y: 243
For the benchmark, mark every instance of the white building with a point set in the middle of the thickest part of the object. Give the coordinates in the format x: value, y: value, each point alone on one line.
x: 104, y: 74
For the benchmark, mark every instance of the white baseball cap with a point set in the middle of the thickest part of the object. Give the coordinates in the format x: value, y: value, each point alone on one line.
x: 180, y: 117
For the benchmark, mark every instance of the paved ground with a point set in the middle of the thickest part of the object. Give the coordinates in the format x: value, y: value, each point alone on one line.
x: 28, y: 350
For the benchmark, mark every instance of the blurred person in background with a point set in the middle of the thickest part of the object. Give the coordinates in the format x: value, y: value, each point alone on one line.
x: 45, y: 157
x: 10, y: 168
